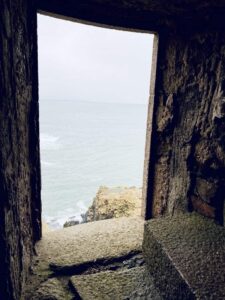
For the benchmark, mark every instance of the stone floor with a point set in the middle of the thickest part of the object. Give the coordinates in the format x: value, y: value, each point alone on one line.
x: 114, y: 285
x: 183, y: 258
x: 70, y: 262
x: 73, y: 247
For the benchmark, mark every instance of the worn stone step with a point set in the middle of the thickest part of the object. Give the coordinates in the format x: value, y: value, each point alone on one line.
x: 70, y: 248
x: 52, y: 289
x: 132, y: 283
x: 186, y: 257
x: 77, y: 249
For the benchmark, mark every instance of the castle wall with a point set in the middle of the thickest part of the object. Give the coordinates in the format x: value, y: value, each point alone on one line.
x: 188, y: 153
x: 19, y: 150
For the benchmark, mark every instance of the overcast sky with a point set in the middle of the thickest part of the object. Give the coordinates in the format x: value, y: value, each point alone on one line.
x: 86, y: 63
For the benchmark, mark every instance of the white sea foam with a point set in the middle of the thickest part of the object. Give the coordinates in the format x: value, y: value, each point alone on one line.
x: 49, y: 142
x: 82, y: 207
x: 67, y: 214
x: 46, y: 163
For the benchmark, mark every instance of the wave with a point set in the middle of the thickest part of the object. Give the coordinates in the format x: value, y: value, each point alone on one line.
x: 49, y: 142
x: 81, y: 206
x: 46, y: 163
x: 60, y: 219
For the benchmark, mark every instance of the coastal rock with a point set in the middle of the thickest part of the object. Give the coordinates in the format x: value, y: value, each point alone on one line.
x: 71, y: 223
x: 114, y: 203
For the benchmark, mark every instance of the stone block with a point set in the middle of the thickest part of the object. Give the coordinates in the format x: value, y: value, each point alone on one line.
x: 185, y: 256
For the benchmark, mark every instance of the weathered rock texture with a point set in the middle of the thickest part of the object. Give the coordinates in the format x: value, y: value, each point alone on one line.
x: 71, y: 223
x: 188, y: 154
x: 125, y: 284
x: 19, y: 153
x: 185, y: 256
x: 70, y: 247
x: 115, y: 203
x: 85, y: 248
x: 52, y: 289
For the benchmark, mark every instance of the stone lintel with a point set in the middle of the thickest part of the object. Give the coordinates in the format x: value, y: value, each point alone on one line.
x: 150, y: 16
x: 111, y: 14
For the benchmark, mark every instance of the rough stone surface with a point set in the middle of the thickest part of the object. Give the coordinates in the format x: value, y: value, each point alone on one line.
x: 113, y: 285
x: 43, y: 286
x: 188, y: 154
x: 86, y: 248
x: 19, y: 150
x: 115, y: 203
x: 75, y: 246
x: 186, y: 256
x: 52, y: 289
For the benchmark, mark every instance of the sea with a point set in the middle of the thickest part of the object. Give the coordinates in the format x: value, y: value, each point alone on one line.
x: 85, y: 145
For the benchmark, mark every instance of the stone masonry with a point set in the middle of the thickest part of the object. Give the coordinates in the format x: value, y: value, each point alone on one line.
x: 185, y: 144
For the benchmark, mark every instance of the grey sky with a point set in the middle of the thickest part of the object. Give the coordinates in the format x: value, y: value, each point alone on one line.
x: 88, y: 63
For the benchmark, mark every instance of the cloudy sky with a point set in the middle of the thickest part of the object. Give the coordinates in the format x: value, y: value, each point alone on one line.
x: 86, y: 63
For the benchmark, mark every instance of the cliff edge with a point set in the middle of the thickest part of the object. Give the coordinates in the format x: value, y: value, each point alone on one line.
x: 114, y: 203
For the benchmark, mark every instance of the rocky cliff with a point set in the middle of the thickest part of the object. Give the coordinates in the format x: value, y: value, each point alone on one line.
x: 114, y: 203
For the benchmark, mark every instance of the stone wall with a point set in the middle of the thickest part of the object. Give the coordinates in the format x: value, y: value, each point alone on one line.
x: 188, y: 154
x: 186, y: 160
x: 19, y: 150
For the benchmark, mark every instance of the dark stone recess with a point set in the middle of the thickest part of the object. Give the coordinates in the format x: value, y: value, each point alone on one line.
x: 188, y: 153
x: 19, y: 151
x: 128, y: 261
x: 185, y: 256
x: 122, y: 14
x: 154, y: 15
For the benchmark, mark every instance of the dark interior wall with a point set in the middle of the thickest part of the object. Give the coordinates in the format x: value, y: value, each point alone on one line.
x: 188, y: 153
x: 19, y: 150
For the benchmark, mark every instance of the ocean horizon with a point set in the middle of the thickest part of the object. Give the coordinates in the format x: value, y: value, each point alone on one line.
x: 85, y: 145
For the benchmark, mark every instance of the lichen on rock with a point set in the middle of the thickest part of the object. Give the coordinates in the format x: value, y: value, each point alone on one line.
x: 114, y: 203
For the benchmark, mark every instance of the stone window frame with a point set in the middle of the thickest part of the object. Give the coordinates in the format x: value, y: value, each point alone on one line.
x: 146, y: 210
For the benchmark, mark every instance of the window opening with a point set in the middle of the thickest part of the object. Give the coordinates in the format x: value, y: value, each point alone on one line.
x: 93, y: 95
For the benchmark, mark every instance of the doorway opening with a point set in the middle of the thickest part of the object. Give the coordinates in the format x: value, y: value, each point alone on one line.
x: 93, y: 98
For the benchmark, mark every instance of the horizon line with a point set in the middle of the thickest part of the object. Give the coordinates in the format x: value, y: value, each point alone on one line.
x: 89, y: 101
